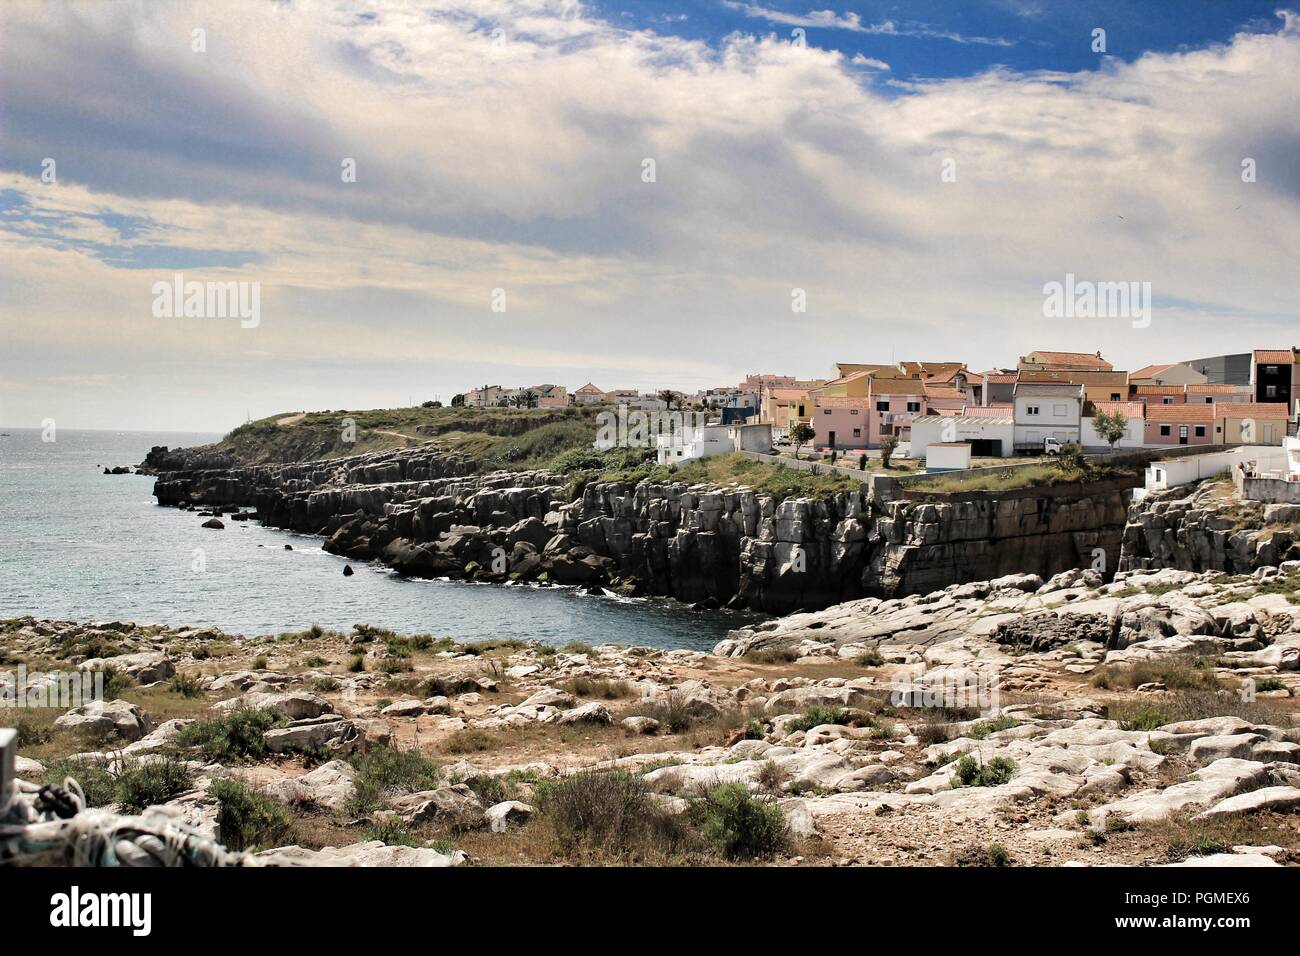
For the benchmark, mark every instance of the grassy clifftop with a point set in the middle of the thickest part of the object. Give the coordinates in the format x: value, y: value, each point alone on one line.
x: 495, y: 437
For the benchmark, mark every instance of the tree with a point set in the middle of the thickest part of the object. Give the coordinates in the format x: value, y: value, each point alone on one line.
x: 888, y: 445
x: 801, y: 434
x: 458, y: 401
x: 668, y: 397
x: 1111, y: 426
x: 431, y: 404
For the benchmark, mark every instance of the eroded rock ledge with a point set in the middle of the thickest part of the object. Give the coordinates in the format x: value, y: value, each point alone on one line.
x: 423, y: 513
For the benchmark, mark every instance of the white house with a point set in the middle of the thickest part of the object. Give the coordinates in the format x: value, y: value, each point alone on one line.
x: 700, y: 441
x: 1043, y: 410
x: 1134, y: 431
x: 990, y: 436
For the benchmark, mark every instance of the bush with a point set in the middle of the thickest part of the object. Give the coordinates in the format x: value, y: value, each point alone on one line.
x: 984, y: 728
x: 772, y: 655
x: 390, y: 830
x: 97, y: 785
x: 248, y: 820
x: 738, y: 824
x: 469, y: 740
x: 970, y: 773
x: 815, y: 716
x: 116, y: 683
x: 146, y: 784
x: 234, y: 736
x: 31, y: 732
x: 1176, y: 673
x: 608, y: 812
x: 187, y: 685
x: 357, y: 664
x: 869, y: 659
x: 590, y: 687
x: 389, y: 770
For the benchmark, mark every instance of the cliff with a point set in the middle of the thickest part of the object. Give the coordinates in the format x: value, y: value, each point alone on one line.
x: 426, y: 513
x: 1206, y: 528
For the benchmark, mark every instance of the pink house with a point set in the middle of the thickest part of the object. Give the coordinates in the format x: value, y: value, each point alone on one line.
x: 841, y: 423
x: 893, y: 405
x: 1180, y: 424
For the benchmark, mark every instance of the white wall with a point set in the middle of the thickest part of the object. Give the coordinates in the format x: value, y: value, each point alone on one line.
x: 1171, y: 472
x: 1134, y: 433
x: 963, y: 429
x: 1057, y: 417
x: 946, y: 457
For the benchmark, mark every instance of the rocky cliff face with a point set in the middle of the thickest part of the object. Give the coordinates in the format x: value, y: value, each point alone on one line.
x: 1204, y: 529
x: 424, y: 514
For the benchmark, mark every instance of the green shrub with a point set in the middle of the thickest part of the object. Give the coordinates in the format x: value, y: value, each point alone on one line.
x: 982, y: 729
x: 97, y: 784
x: 233, y: 736
x: 149, y: 783
x: 971, y: 773
x: 390, y: 830
x: 739, y: 825
x: 187, y: 685
x: 247, y: 820
x: 998, y: 855
x: 815, y: 716
x: 31, y: 732
x: 385, y: 770
x: 869, y: 659
x: 260, y: 662
x: 357, y: 664
x: 608, y: 812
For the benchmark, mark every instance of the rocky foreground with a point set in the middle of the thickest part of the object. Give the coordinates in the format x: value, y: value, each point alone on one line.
x: 1151, y: 720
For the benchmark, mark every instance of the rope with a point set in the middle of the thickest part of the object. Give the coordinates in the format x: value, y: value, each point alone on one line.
x: 51, y: 826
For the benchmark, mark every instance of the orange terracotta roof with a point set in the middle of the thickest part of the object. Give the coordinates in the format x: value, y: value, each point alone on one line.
x: 1157, y: 389
x: 1147, y: 371
x: 1084, y: 359
x: 839, y: 401
x: 1129, y: 410
x: 1074, y: 376
x: 1275, y: 356
x: 1181, y: 413
x: 939, y: 392
x: 988, y: 411
x: 1219, y: 389
x: 1250, y: 409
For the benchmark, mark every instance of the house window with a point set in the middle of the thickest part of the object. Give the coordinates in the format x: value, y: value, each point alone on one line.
x: 1164, y: 430
x: 1167, y: 400
x: 857, y: 433
x: 1031, y: 409
x: 882, y: 406
x: 1209, y: 399
x: 1114, y: 396
x: 913, y: 406
x: 1058, y: 411
x: 853, y: 411
x: 1200, y: 431
x: 1270, y: 369
x: 1270, y: 391
x: 826, y: 411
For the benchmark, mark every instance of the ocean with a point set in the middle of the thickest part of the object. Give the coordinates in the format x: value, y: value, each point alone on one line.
x: 77, y: 544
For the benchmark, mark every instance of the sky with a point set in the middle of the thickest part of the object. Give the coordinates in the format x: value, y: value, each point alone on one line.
x: 638, y: 194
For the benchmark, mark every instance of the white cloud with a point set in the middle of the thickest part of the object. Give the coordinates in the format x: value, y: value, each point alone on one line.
x: 519, y: 166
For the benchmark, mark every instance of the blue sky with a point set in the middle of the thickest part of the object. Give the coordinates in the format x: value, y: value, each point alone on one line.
x: 502, y: 145
x: 946, y: 38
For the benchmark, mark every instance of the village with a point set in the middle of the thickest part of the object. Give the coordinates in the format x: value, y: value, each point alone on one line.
x: 943, y: 416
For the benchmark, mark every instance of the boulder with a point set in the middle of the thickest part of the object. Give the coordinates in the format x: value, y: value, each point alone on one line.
x: 111, y: 718
x: 329, y: 786
x: 147, y: 667
x: 501, y: 815
x: 456, y: 805
x: 592, y: 712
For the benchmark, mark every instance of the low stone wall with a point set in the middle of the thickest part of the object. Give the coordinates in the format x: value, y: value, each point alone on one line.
x: 1271, y: 490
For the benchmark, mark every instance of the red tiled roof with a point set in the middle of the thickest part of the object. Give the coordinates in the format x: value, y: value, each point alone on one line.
x: 1157, y: 389
x: 1147, y: 371
x: 1275, y: 356
x: 1219, y: 389
x: 1129, y: 410
x: 1074, y: 376
x: 1181, y: 413
x: 1084, y: 359
x: 1250, y: 409
x: 932, y: 391
x: 988, y: 411
x: 1001, y: 378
